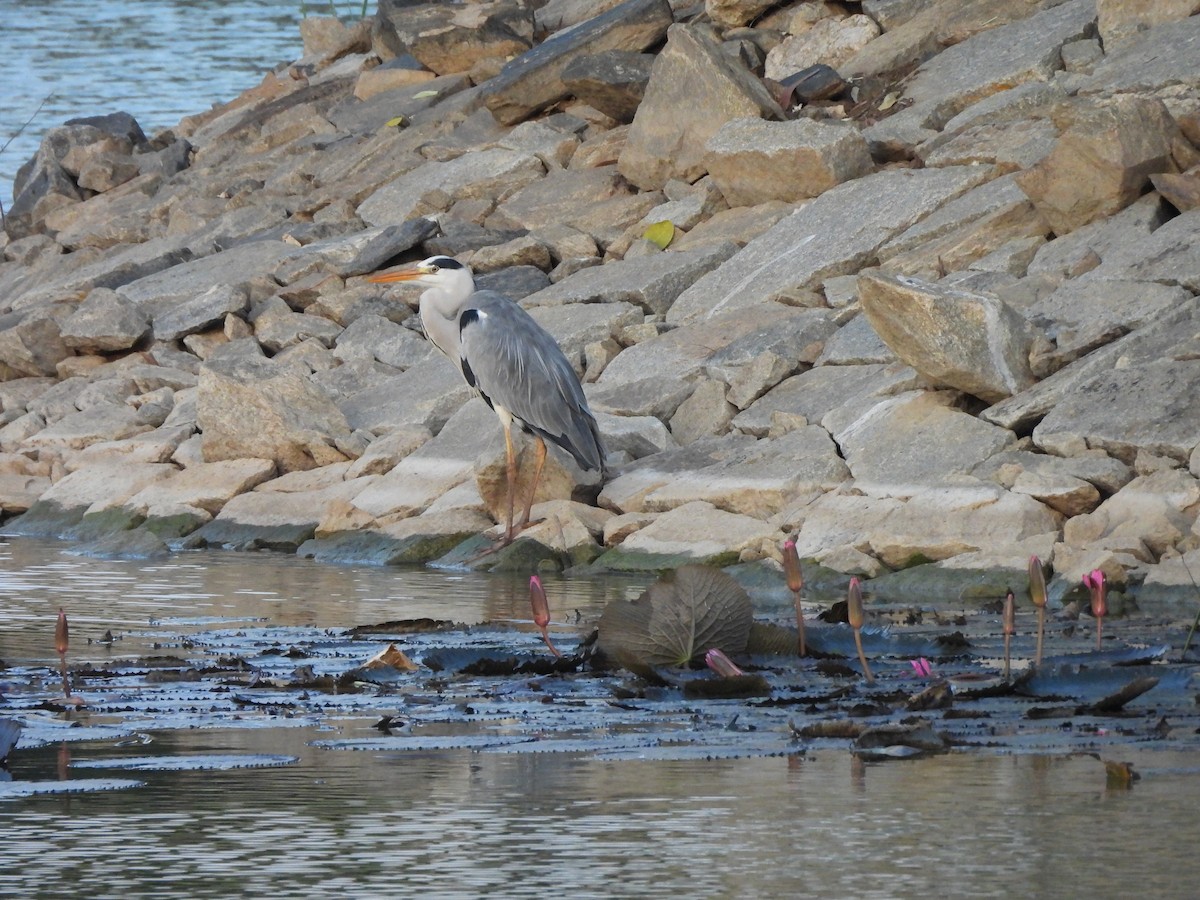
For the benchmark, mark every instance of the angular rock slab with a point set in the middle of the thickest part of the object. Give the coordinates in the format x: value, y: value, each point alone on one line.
x: 933, y: 524
x: 259, y: 408
x: 432, y: 186
x: 835, y: 234
x: 433, y: 469
x: 761, y: 479
x: 898, y: 445
x: 972, y: 342
x: 696, y: 531
x: 613, y: 82
x: 754, y: 161
x: 651, y: 282
x: 1102, y: 163
x: 986, y: 63
x: 1153, y: 406
x: 694, y: 88
x: 533, y: 80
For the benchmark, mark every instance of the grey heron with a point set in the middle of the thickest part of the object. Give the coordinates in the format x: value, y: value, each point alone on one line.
x: 514, y: 364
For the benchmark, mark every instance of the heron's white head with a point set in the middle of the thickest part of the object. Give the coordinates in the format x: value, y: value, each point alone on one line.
x: 442, y: 272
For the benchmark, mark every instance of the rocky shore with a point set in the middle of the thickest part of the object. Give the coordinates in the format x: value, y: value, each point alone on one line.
x: 927, y: 301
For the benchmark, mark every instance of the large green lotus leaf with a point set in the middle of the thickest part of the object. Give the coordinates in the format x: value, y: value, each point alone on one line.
x: 679, y: 618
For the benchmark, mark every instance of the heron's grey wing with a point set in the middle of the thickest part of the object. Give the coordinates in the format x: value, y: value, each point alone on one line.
x: 517, y: 365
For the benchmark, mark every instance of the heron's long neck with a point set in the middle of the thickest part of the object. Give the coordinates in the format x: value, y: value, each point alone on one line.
x: 439, y: 314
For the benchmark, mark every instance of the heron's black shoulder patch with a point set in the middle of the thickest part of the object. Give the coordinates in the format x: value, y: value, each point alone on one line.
x: 467, y: 316
x: 469, y: 375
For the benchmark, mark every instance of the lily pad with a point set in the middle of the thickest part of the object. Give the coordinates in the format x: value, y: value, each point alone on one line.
x: 200, y: 763
x: 678, y: 619
x: 14, y: 790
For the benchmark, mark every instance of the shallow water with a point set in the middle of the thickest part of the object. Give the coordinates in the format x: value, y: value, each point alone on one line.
x: 318, y: 816
x: 159, y: 60
x: 466, y: 824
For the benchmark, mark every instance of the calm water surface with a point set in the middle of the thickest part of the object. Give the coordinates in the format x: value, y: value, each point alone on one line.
x: 159, y: 60
x: 460, y: 823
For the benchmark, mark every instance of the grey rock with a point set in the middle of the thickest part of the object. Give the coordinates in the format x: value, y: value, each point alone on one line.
x: 237, y: 266
x: 448, y: 39
x: 533, y: 80
x: 515, y: 283
x: 576, y: 326
x: 375, y: 337
x: 613, y: 82
x: 426, y: 394
x: 355, y: 254
x: 104, y: 322
x: 761, y: 478
x: 100, y: 422
x: 277, y: 327
x: 635, y: 436
x: 820, y: 241
x: 649, y: 396
x: 651, y: 282
x: 855, y: 344
x: 706, y: 413
x: 889, y: 443
x: 1165, y: 56
x: 986, y: 63
x: 694, y: 89
x: 31, y: 345
x: 199, y: 312
x: 433, y: 186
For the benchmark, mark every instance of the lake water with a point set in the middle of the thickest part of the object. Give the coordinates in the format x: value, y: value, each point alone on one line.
x: 375, y: 822
x: 159, y: 60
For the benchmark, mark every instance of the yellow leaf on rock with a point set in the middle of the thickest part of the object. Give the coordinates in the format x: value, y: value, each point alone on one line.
x: 661, y: 234
x: 421, y: 95
x: 397, y: 122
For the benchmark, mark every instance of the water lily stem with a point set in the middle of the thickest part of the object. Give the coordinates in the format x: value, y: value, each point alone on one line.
x: 1007, y: 656
x: 549, y: 643
x: 1099, y: 631
x: 862, y: 657
x: 1041, y: 631
x: 803, y: 646
x: 62, y: 666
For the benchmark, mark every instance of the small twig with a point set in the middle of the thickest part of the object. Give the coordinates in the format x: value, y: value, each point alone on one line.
x: 13, y: 137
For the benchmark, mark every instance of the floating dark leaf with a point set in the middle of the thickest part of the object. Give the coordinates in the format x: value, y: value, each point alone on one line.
x: 728, y: 687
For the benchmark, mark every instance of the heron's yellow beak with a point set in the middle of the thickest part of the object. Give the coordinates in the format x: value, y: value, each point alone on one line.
x: 409, y: 274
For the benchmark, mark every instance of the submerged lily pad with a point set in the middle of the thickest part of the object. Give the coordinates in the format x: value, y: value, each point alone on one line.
x: 14, y: 790
x: 201, y: 763
x: 679, y: 618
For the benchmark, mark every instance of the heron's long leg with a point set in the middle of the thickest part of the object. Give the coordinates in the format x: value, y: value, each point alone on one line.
x: 512, y: 478
x: 537, y: 474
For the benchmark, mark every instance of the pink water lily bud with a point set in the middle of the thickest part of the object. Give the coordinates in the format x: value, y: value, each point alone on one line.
x: 539, y: 603
x: 791, y: 567
x: 61, y: 634
x: 922, y: 667
x: 854, y: 604
x: 721, y: 664
x: 1037, y: 582
x: 1098, y: 588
